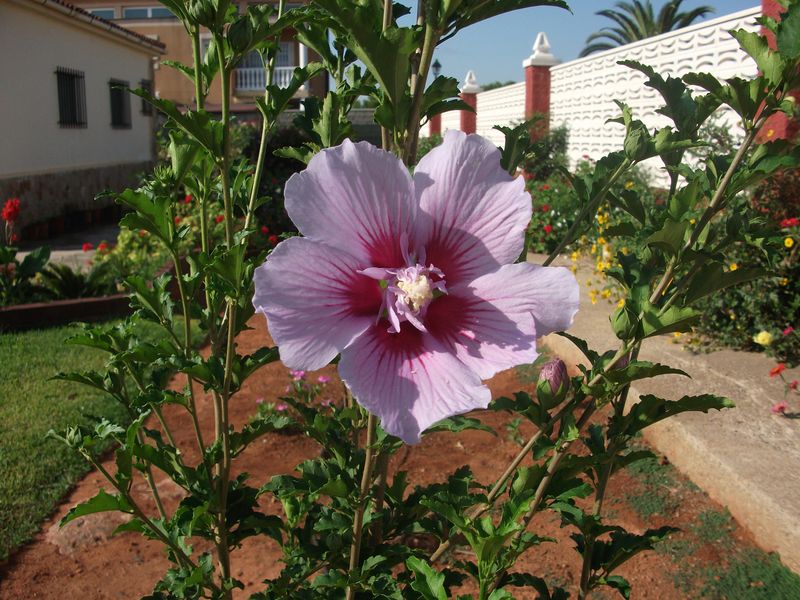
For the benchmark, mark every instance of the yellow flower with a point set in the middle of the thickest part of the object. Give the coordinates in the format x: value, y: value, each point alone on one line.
x: 733, y: 266
x: 601, y: 240
x: 692, y: 221
x: 784, y: 281
x: 621, y: 303
x: 788, y: 242
x: 594, y: 249
x: 763, y: 338
x: 606, y: 293
x: 574, y: 256
x: 629, y: 185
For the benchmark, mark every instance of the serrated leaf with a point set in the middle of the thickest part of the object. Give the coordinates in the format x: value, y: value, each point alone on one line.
x: 101, y: 502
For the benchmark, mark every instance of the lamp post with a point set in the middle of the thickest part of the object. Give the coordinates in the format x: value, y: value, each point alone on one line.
x: 436, y: 67
x: 435, y: 124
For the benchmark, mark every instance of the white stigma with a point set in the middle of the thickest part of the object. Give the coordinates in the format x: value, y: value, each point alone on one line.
x: 416, y: 292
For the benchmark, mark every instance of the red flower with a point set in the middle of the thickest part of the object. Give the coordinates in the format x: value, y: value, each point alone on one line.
x: 273, y: 239
x: 87, y: 246
x: 545, y: 208
x: 142, y: 232
x: 177, y: 220
x: 219, y: 218
x: 777, y: 370
x: 187, y: 199
x: 548, y: 228
x: 14, y: 238
x: 102, y: 247
x: 10, y: 211
x: 544, y: 187
x: 788, y: 330
x: 793, y: 385
x: 793, y: 222
x: 264, y: 229
x: 780, y: 408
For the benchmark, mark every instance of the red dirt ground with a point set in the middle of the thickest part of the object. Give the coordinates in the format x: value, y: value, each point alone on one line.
x: 83, y: 562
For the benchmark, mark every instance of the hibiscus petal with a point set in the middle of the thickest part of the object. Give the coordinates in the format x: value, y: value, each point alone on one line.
x: 315, y: 301
x: 354, y: 196
x: 477, y: 213
x: 409, y: 380
x: 492, y: 323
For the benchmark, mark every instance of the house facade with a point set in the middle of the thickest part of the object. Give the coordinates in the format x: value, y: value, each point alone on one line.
x: 152, y: 19
x: 70, y: 129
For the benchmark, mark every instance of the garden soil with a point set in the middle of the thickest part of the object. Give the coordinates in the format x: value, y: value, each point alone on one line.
x: 84, y: 562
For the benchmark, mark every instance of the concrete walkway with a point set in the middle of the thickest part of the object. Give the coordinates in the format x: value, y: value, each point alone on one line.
x: 68, y: 249
x: 746, y: 458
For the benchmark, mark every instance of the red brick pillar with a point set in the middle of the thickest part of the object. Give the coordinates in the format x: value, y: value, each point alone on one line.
x: 537, y: 84
x: 779, y: 126
x: 469, y: 94
x: 435, y: 125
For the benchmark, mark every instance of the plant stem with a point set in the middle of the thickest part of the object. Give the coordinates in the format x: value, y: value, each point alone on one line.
x: 503, y: 479
x: 363, y: 495
x: 180, y: 555
x: 386, y: 136
x: 380, y: 494
x: 418, y: 82
x: 591, y: 207
x: 221, y: 400
x: 265, y: 129
x: 198, y: 85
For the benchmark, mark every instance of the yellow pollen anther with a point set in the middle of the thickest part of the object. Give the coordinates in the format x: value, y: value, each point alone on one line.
x: 417, y: 293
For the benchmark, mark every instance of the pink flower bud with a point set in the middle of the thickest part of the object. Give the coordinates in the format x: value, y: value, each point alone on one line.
x: 553, y: 383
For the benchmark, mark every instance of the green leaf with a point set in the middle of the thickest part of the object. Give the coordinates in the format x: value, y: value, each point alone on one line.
x: 641, y: 370
x: 770, y: 63
x: 102, y: 502
x: 713, y: 278
x: 427, y: 581
x: 788, y: 35
x: 674, y: 318
x: 459, y: 423
x: 652, y: 409
x: 670, y: 237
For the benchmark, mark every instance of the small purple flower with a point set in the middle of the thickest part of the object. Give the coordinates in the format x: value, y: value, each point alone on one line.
x: 323, y: 380
x: 260, y: 400
x: 297, y: 375
x: 553, y: 383
x: 411, y: 280
x: 282, y: 407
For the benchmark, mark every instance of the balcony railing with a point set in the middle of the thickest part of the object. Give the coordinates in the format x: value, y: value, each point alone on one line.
x: 248, y: 79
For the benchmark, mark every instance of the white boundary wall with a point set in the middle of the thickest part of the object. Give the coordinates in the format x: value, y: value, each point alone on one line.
x: 583, y: 90
x: 451, y: 120
x: 501, y: 106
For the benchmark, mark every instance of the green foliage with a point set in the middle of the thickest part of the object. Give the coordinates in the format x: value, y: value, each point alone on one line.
x: 17, y: 278
x: 347, y: 517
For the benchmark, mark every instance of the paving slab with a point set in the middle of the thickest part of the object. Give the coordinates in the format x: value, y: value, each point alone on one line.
x: 745, y: 458
x: 68, y: 248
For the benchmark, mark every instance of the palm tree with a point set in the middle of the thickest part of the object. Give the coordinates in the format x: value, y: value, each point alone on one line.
x: 636, y: 21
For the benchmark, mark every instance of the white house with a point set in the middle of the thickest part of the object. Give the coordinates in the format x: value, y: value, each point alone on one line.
x: 69, y: 129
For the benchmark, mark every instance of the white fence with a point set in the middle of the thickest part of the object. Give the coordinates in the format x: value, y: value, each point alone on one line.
x: 501, y: 106
x: 583, y: 90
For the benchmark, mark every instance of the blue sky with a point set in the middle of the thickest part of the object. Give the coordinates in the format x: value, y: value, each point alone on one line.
x: 496, y: 48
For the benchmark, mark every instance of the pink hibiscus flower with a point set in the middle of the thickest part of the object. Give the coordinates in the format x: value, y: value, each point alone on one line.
x: 410, y: 279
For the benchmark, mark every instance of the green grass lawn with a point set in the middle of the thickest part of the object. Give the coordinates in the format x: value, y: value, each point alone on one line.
x: 36, y: 471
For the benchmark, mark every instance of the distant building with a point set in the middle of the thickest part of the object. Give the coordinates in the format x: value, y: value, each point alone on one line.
x: 152, y: 19
x: 70, y: 129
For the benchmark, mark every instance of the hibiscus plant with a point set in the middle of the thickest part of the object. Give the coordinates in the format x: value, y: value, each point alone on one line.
x: 416, y: 283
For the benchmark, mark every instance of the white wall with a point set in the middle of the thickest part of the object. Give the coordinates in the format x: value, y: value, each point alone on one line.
x: 451, y: 120
x: 583, y: 90
x: 33, y: 43
x: 501, y: 106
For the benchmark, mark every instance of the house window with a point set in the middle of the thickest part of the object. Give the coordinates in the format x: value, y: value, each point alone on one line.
x: 120, y: 104
x: 71, y: 97
x: 147, y: 86
x: 285, y: 57
x: 146, y: 12
x: 103, y: 13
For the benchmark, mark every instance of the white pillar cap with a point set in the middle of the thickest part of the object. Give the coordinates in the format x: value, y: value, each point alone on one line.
x: 541, y: 57
x: 470, y: 85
